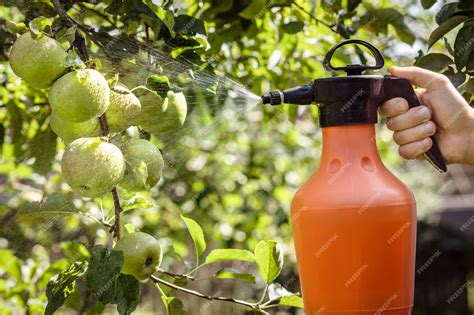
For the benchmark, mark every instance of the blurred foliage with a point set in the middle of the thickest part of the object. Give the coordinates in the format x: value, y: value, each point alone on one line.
x: 233, y: 167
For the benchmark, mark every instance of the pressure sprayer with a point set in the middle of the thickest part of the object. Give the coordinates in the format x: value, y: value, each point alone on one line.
x: 353, y: 221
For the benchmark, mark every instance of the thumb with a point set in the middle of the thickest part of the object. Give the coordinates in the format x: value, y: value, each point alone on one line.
x: 420, y: 77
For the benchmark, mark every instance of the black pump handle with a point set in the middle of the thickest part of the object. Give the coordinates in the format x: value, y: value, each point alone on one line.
x: 399, y: 87
x: 354, y: 69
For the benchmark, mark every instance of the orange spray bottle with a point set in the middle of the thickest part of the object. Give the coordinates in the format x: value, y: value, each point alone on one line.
x: 353, y: 221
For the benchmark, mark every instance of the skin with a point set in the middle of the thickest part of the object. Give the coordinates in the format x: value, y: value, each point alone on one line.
x: 69, y: 131
x: 92, y: 167
x: 80, y: 95
x: 142, y: 254
x: 141, y: 151
x: 123, y: 109
x: 38, y: 61
x: 160, y: 115
x: 444, y: 113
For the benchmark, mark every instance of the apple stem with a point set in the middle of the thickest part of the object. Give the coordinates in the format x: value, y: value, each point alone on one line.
x: 104, y: 126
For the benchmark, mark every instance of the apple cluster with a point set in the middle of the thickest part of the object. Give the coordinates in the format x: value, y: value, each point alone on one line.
x: 92, y: 166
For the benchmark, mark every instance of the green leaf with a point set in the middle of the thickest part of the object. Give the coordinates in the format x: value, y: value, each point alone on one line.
x: 276, y: 291
x: 39, y: 24
x: 16, y: 126
x: 269, y: 259
x: 62, y: 285
x: 464, y: 46
x: 196, y: 234
x: 457, y: 79
x: 281, y: 296
x: 56, y: 204
x: 467, y: 87
x: 185, y: 24
x: 377, y: 21
x: 254, y: 10
x: 292, y: 27
x: 446, y: 12
x: 164, y: 15
x: 75, y: 250
x: 16, y: 28
x: 230, y: 273
x: 292, y: 300
x: 43, y: 149
x: 137, y: 201
x: 426, y: 4
x: 159, y: 84
x: 174, y: 306
x: 104, y: 269
x: 444, y: 28
x: 434, y: 62
x: 230, y: 254
x: 353, y: 4
x: 10, y: 264
x: 127, y: 295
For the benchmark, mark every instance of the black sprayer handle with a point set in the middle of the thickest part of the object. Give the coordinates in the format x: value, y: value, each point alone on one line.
x: 399, y: 87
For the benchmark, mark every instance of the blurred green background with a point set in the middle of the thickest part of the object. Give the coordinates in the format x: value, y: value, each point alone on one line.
x: 233, y: 167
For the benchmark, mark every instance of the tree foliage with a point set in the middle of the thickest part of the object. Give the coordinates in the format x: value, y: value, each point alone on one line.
x: 229, y: 172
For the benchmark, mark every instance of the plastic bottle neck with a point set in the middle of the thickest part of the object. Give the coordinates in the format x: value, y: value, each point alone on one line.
x: 350, y: 144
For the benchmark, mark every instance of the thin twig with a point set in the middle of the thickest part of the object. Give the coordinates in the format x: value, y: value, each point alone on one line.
x: 98, y: 13
x: 176, y: 275
x: 118, y: 210
x: 253, y: 306
x: 311, y: 15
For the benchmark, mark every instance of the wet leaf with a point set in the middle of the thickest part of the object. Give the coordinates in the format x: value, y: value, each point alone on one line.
x: 269, y: 258
x: 230, y: 273
x: 62, y: 285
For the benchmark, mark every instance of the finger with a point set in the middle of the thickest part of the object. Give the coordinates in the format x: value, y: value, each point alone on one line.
x: 420, y: 77
x: 413, y: 117
x: 415, y: 149
x: 424, y: 97
x: 394, y: 107
x: 414, y: 134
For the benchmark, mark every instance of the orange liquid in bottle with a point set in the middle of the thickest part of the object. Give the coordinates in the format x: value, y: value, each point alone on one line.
x: 354, y: 225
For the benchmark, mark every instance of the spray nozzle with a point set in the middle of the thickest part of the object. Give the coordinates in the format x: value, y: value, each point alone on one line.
x: 300, y: 95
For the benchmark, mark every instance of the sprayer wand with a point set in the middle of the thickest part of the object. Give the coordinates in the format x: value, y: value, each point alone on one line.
x: 300, y: 95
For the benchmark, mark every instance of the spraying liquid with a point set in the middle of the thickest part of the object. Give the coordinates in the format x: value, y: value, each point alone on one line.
x: 212, y: 99
x: 136, y: 61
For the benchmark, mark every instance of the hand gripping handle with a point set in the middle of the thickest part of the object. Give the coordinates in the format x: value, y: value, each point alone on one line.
x: 399, y: 87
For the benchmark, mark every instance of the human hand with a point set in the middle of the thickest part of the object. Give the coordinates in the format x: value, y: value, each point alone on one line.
x: 444, y: 113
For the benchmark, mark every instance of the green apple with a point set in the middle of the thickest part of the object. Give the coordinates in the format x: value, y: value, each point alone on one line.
x: 144, y: 165
x: 92, y: 167
x: 38, y: 61
x: 80, y: 95
x: 142, y: 254
x: 160, y: 115
x: 69, y: 131
x: 123, y: 109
